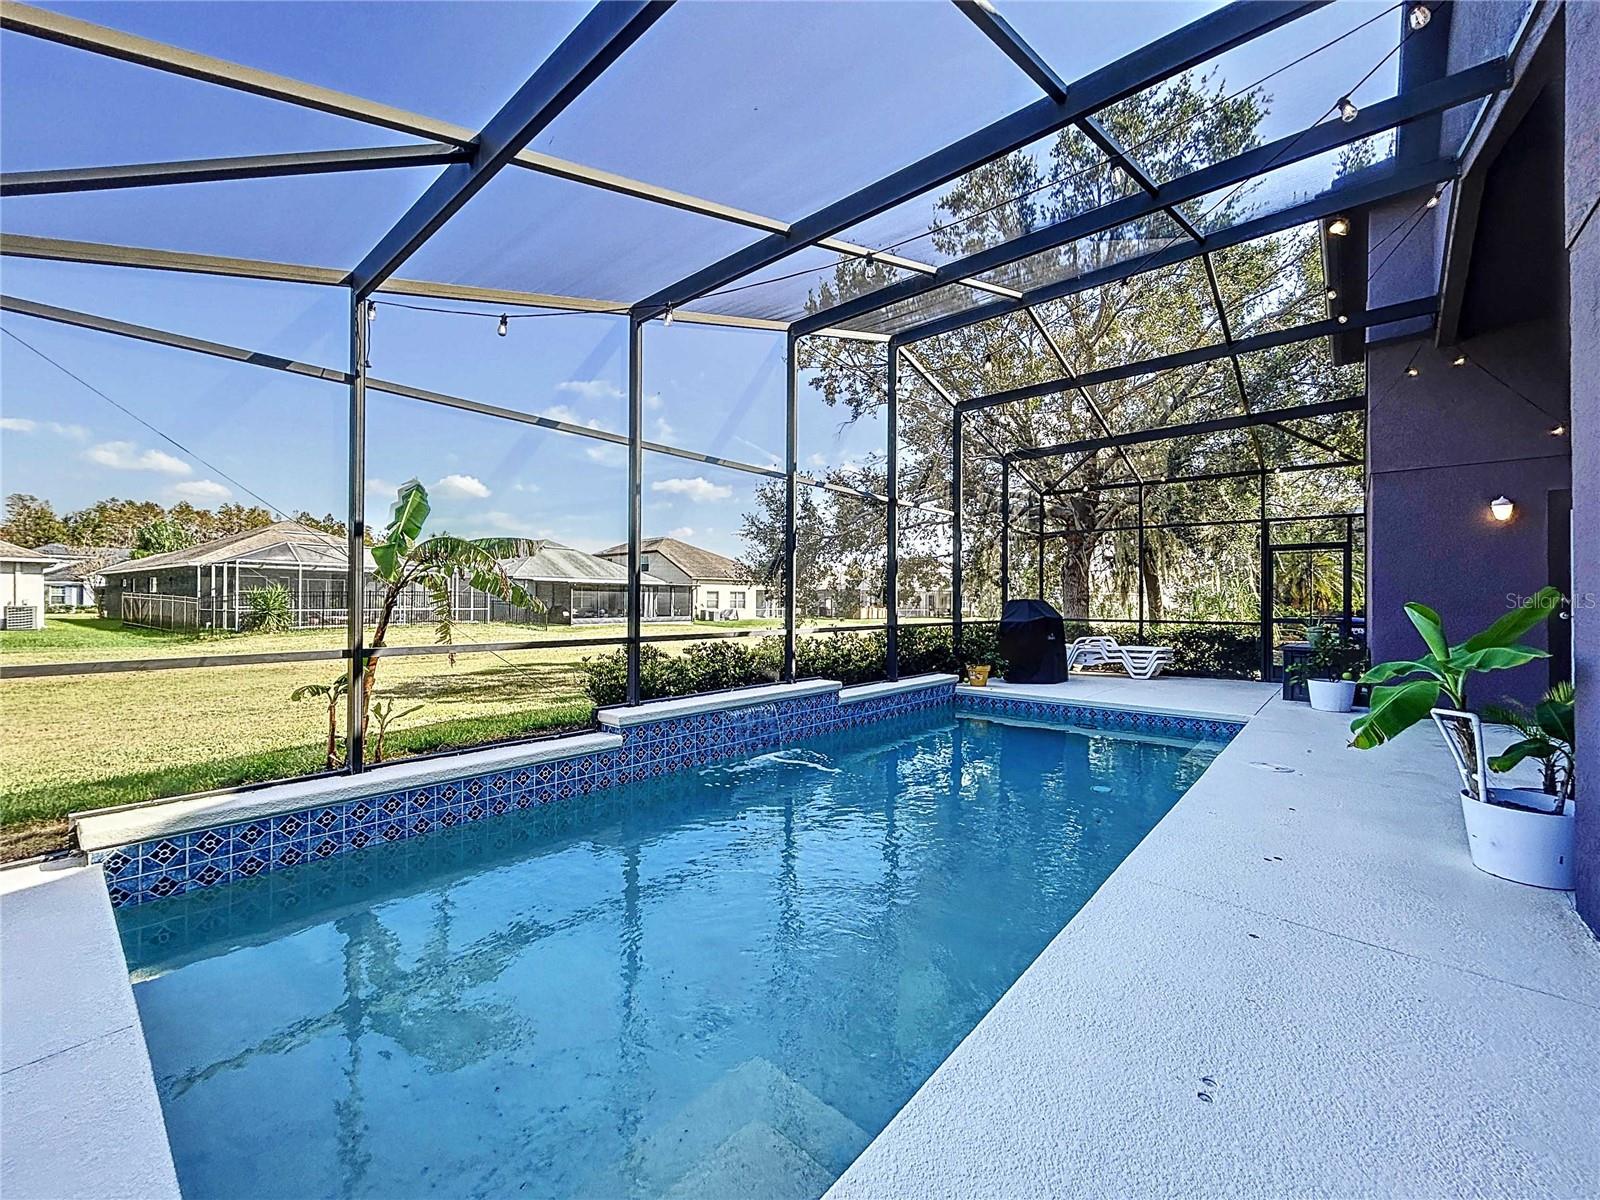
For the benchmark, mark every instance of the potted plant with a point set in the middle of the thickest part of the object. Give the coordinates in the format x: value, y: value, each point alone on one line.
x: 1510, y: 833
x: 1330, y: 670
x: 1528, y: 833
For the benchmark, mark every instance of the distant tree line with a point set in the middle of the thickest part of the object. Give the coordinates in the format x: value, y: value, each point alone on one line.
x: 143, y: 525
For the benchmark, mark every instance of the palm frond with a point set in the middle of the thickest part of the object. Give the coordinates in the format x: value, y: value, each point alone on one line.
x: 444, y: 628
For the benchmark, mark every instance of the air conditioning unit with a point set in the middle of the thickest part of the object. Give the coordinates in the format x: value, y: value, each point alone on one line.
x: 22, y: 616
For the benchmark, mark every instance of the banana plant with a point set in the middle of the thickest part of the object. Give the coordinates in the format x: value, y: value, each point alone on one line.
x: 1548, y: 732
x: 332, y: 693
x: 384, y: 715
x: 1444, y: 670
x: 403, y: 557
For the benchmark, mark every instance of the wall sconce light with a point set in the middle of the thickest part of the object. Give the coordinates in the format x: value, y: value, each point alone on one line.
x: 1339, y: 226
x: 1501, y: 509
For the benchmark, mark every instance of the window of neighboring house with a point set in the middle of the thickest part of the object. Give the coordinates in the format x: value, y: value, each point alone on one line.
x: 713, y: 598
x: 152, y: 588
x: 644, y: 562
x: 736, y: 599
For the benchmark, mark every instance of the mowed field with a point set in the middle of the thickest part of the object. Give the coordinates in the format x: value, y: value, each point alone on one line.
x: 86, y: 741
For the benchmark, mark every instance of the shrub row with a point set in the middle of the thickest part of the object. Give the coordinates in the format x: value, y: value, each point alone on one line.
x: 854, y: 658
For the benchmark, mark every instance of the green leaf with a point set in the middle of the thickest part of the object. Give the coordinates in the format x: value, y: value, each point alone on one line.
x: 1509, y: 628
x: 1386, y: 671
x: 1497, y: 658
x: 1431, y: 628
x: 1394, y: 710
x: 1517, y: 751
x: 406, y: 519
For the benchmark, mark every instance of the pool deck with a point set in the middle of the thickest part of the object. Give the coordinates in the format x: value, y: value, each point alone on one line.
x: 82, y: 1115
x: 1296, y: 985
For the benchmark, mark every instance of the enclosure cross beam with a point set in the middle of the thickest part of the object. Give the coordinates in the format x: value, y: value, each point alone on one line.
x: 582, y: 57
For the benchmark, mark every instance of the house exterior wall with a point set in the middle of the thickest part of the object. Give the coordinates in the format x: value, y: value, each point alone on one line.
x: 1440, y: 447
x: 23, y: 583
x: 1582, y: 239
x: 722, y: 596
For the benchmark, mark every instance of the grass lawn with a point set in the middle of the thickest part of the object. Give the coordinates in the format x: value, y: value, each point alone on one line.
x: 86, y: 741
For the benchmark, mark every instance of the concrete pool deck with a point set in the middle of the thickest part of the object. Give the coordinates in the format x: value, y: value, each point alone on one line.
x: 1235, y: 699
x: 1296, y: 985
x: 82, y: 1115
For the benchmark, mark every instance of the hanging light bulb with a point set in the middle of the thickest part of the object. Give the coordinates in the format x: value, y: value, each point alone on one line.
x: 1333, y: 293
x: 1459, y: 360
x: 1347, y: 109
x: 1418, y: 17
x: 1558, y: 431
x: 1339, y: 226
x: 504, y: 326
x: 1433, y: 200
x: 1413, y: 372
x: 666, y: 321
x: 372, y: 310
x: 1343, y: 319
x: 988, y: 361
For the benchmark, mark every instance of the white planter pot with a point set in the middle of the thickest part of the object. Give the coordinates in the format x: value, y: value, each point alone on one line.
x: 1331, y: 695
x: 1532, y: 847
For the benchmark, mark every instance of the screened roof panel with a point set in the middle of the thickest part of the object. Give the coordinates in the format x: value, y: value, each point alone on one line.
x: 798, y: 283
x: 1193, y: 393
x: 61, y: 107
x: 1125, y: 243
x: 1089, y: 34
x: 319, y: 220
x: 1160, y: 312
x: 1274, y: 282
x: 1053, y: 178
x: 1302, y: 373
x: 1278, y: 84
x: 1291, y: 184
x: 535, y: 233
x: 455, y: 62
x: 779, y: 107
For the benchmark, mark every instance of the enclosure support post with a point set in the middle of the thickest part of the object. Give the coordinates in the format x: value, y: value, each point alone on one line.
x: 1349, y: 553
x: 1266, y: 581
x: 1139, y: 577
x: 891, y: 574
x: 791, y: 504
x: 955, y: 535
x: 1005, y: 533
x: 635, y: 494
x: 356, y: 542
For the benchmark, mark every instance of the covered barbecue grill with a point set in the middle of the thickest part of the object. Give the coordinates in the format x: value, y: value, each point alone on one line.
x: 1033, y: 641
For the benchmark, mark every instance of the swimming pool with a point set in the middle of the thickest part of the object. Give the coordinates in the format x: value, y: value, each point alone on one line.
x: 723, y: 982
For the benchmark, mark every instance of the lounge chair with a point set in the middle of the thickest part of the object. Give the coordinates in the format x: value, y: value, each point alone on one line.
x: 1140, y: 662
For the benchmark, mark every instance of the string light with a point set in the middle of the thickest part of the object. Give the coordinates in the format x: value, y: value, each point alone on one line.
x: 1343, y: 320
x: 1558, y: 431
x: 505, y: 325
x: 372, y: 310
x: 1413, y: 372
x: 1433, y: 200
x: 1339, y: 226
x: 1347, y: 109
x: 666, y: 321
x: 1459, y: 360
x: 1418, y: 17
x: 1333, y: 293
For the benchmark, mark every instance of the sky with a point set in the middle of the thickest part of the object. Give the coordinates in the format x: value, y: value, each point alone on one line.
x: 778, y: 108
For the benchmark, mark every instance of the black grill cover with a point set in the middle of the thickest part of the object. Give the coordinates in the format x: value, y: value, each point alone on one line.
x: 1033, y: 642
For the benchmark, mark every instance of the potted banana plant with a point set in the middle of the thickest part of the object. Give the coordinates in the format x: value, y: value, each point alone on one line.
x: 1510, y: 833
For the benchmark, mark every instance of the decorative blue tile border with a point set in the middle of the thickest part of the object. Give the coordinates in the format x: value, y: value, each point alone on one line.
x: 1091, y: 717
x: 204, y: 858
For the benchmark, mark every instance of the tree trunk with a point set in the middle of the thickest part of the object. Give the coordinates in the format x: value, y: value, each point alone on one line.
x: 1150, y: 580
x: 1075, y: 550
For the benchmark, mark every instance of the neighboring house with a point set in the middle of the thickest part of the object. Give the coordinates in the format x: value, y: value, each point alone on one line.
x: 722, y: 591
x: 208, y: 586
x: 77, y: 575
x: 22, y: 586
x: 578, y: 588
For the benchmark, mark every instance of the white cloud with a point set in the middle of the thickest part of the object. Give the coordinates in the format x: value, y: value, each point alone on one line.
x: 697, y: 489
x: 200, y: 491
x: 682, y: 531
x: 591, y: 389
x: 653, y: 401
x: 605, y: 454
x: 511, y: 524
x: 125, y: 456
x: 817, y: 462
x: 663, y: 432
x: 524, y: 487
x: 461, y: 487
x: 28, y: 425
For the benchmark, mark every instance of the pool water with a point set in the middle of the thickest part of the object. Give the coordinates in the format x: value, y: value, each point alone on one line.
x: 721, y: 983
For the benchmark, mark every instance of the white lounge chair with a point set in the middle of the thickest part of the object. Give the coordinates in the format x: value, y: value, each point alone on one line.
x: 1140, y: 662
